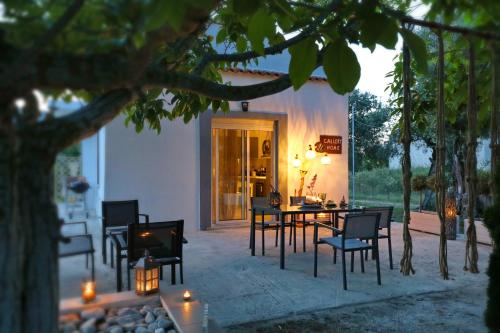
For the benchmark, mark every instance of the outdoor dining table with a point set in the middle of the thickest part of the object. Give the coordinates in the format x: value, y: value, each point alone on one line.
x: 285, y: 210
x: 118, y: 236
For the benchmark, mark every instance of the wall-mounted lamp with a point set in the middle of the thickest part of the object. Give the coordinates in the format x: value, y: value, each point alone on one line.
x: 310, y: 154
x: 296, y: 162
x: 244, y: 106
x: 326, y: 160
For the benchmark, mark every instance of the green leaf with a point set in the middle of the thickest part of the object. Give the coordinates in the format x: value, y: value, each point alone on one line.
x: 341, y: 67
x: 417, y: 49
x: 260, y: 26
x: 221, y: 36
x: 170, y: 12
x: 302, y: 62
x: 378, y: 29
x: 241, y: 44
x: 245, y: 7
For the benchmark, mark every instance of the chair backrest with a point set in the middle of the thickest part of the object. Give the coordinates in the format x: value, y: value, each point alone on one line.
x: 385, y: 215
x: 259, y: 201
x: 295, y: 201
x: 120, y: 213
x: 361, y: 226
x: 162, y: 239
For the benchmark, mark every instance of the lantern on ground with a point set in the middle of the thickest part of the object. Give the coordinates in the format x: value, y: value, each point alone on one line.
x: 88, y: 291
x: 147, y: 275
x: 450, y: 215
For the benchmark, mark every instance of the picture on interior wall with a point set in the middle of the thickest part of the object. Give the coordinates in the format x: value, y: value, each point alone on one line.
x: 266, y: 148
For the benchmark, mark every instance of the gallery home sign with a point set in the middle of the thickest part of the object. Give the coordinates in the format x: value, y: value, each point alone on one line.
x: 330, y: 144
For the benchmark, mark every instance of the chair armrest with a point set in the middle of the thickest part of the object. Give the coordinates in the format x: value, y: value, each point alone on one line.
x: 146, y: 217
x: 84, y: 223
x: 316, y: 227
x: 119, y: 241
x: 322, y: 225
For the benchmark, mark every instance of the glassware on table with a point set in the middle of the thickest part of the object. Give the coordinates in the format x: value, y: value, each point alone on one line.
x: 322, y: 196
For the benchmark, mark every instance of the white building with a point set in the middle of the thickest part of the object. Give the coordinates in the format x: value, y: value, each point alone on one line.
x: 205, y: 172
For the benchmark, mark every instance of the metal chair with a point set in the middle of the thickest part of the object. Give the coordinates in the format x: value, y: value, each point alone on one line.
x: 356, y: 227
x: 78, y: 245
x: 296, y: 201
x: 116, y: 215
x: 164, y: 242
x: 264, y: 225
x: 385, y: 223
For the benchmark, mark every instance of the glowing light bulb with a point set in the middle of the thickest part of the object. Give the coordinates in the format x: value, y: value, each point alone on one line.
x: 310, y: 154
x: 297, y: 162
x: 326, y: 160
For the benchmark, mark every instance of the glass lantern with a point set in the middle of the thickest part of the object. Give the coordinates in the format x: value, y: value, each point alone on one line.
x: 147, y: 275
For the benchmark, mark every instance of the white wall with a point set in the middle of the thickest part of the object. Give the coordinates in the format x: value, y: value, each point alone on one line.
x: 158, y: 170
x: 313, y: 110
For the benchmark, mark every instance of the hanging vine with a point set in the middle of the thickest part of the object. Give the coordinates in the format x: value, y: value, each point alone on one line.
x: 495, y: 104
x: 406, y: 265
x: 440, y: 160
x: 471, y: 255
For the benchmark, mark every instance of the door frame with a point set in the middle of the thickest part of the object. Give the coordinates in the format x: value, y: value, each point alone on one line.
x: 205, y: 154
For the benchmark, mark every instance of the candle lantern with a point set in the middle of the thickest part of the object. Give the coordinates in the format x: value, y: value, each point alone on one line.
x: 147, y: 275
x: 88, y: 291
x: 186, y: 296
x: 275, y: 198
x: 450, y: 215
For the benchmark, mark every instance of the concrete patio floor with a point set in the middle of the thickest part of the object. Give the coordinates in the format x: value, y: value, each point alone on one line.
x: 240, y: 288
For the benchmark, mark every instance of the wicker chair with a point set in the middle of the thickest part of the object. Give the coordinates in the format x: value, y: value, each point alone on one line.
x: 356, y: 227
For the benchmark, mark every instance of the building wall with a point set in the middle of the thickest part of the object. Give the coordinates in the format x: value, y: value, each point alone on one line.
x: 158, y: 170
x: 162, y: 171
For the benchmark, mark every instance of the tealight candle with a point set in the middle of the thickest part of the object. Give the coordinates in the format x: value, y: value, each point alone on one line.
x: 186, y: 296
x: 88, y: 291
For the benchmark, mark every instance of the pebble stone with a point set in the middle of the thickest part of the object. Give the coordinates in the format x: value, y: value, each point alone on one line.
x: 159, y: 330
x: 96, y: 313
x: 150, y: 317
x: 116, y: 329
x: 88, y: 326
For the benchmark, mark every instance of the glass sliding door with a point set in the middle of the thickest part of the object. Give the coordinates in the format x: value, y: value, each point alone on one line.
x: 230, y: 146
x: 243, y: 166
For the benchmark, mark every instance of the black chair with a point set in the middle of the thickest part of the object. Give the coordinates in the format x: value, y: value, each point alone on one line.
x: 164, y: 242
x: 385, y: 223
x: 116, y: 215
x: 78, y: 245
x: 305, y: 222
x: 356, y: 227
x: 264, y: 225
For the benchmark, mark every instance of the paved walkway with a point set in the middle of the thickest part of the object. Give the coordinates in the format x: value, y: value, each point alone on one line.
x: 240, y: 288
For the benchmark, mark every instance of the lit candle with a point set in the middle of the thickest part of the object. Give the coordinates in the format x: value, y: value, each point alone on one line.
x: 186, y: 296
x: 88, y: 291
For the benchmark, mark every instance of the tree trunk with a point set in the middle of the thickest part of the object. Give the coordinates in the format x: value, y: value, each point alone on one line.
x: 29, y: 234
x: 429, y: 193
x: 440, y: 162
x: 406, y: 265
x: 471, y: 255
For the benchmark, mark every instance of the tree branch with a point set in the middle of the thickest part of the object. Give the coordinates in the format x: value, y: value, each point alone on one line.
x: 85, y: 121
x: 198, y: 85
x: 275, y: 49
x: 58, y: 26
